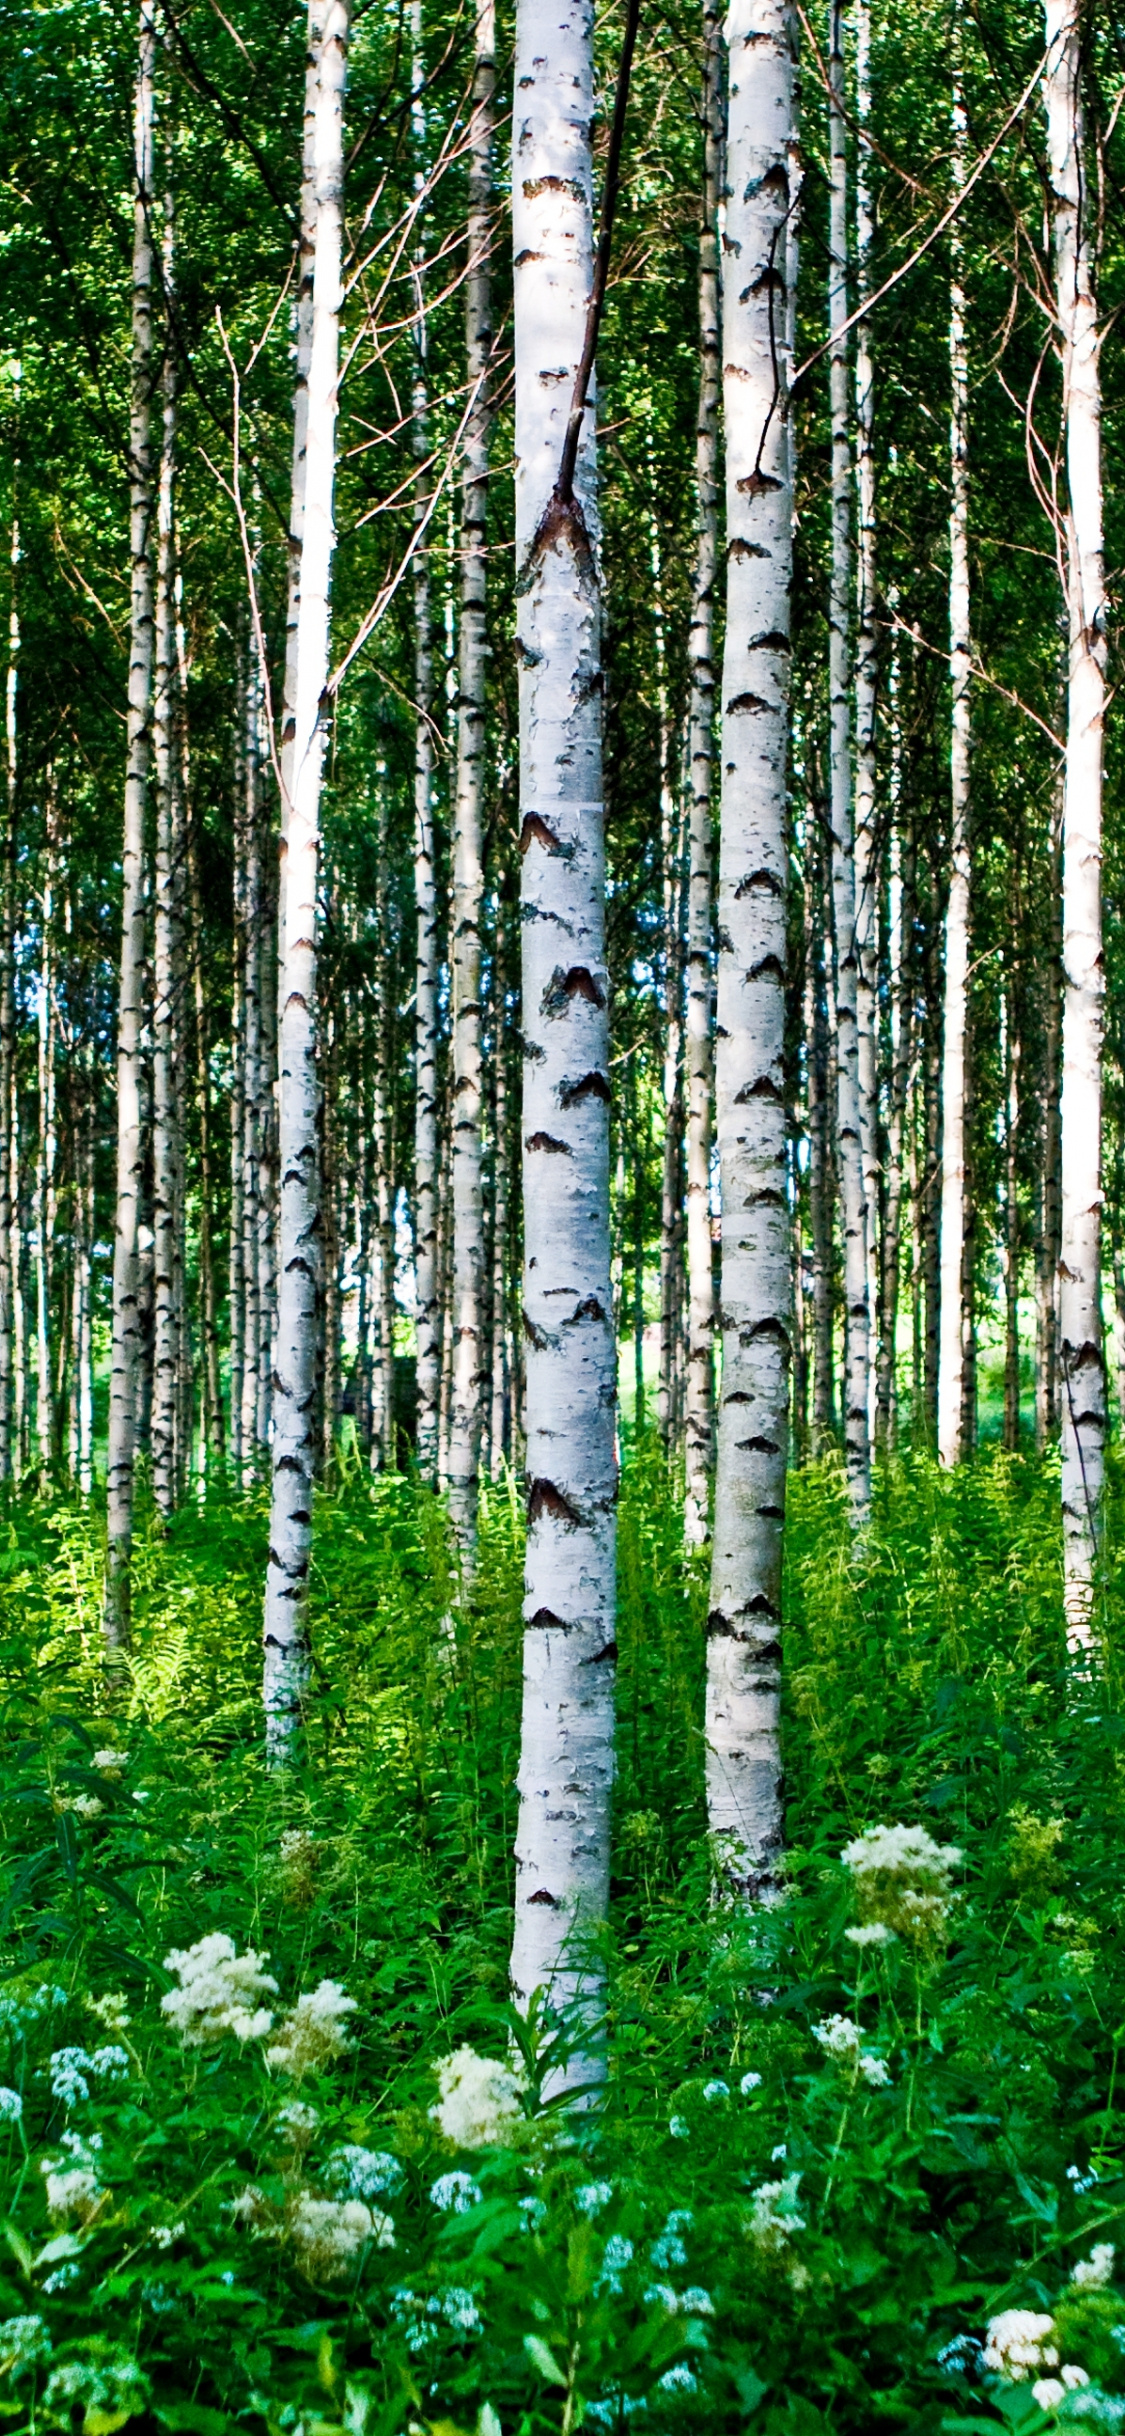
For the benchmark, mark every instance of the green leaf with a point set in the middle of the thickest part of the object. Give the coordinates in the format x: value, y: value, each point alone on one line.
x: 542, y: 2357
x: 18, y: 2246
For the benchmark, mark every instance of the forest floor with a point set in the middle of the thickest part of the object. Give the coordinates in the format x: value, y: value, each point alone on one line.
x: 825, y: 2163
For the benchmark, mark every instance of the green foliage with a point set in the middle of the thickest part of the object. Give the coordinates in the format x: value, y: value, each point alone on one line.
x: 823, y: 2163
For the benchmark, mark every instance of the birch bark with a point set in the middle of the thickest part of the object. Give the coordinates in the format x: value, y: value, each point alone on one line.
x: 744, y: 1624
x: 866, y: 696
x: 300, y: 1285
x: 951, y: 1361
x: 7, y: 998
x: 853, y: 1211
x: 468, y: 874
x: 699, y: 1413
x: 165, y: 1109
x: 428, y: 1333
x: 1081, y: 1355
x: 566, y: 1742
x: 47, y: 1146
x: 125, y: 1344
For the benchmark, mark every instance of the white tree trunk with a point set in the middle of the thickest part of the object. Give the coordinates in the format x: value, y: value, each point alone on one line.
x: 46, y: 1152
x: 166, y: 1114
x: 744, y: 1625
x: 849, y: 1143
x: 7, y: 979
x: 302, y: 352
x: 428, y: 1336
x: 125, y: 1339
x: 294, y: 1399
x: 866, y: 698
x: 501, y: 1348
x: 566, y: 1741
x: 699, y: 1400
x: 468, y: 821
x: 951, y: 1352
x: 1080, y: 1321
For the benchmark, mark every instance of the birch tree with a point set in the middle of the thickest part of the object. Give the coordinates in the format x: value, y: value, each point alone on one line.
x: 566, y: 1740
x: 138, y: 738
x: 1081, y: 1354
x: 699, y: 1420
x: 300, y: 1282
x: 849, y: 1144
x: 866, y: 698
x: 744, y: 1624
x: 468, y: 874
x: 166, y: 1113
x: 954, y: 1318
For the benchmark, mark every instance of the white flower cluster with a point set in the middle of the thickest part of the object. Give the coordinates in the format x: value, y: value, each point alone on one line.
x: 902, y: 1883
x: 24, y: 2342
x: 480, y: 2100
x: 363, y: 2173
x: 69, y: 2067
x: 110, y: 1763
x: 774, y: 2216
x: 842, y: 2040
x: 617, y: 2255
x: 452, y: 2194
x: 592, y: 2197
x: 11, y: 2106
x: 298, y: 2122
x: 1094, y: 2273
x: 312, y: 2033
x: 421, y: 2319
x: 83, y: 1805
x: 694, y: 2303
x: 1018, y: 2342
x: 74, y: 2189
x: 20, y: 2008
x: 218, y: 1992
x: 749, y: 2081
x: 103, y: 2378
x: 668, y: 2249
x: 1050, y: 2391
x: 328, y: 2235
x: 112, y: 2010
x: 714, y: 2090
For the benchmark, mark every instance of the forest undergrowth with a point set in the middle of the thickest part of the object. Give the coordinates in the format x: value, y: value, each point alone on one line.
x: 842, y: 2138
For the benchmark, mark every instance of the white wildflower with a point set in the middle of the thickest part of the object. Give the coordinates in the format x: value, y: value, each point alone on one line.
x: 454, y: 2193
x: 902, y: 1880
x: 713, y: 2090
x: 592, y: 2197
x: 298, y: 2122
x: 749, y: 2081
x: 329, y: 2234
x: 776, y: 2154
x: 312, y: 2033
x: 1094, y: 2273
x: 363, y: 2173
x: 84, y: 1805
x: 479, y: 2105
x: 679, y: 2380
x: 103, y: 2378
x: 533, y: 2211
x: 1047, y: 2391
x: 218, y: 1992
x: 679, y: 2127
x: 11, y: 2106
x: 617, y: 2255
x: 696, y: 2303
x: 68, y: 2068
x: 870, y: 1932
x: 23, y: 2343
x: 668, y: 2249
x: 73, y: 2189
x: 61, y: 2278
x: 662, y: 2296
x: 874, y: 2071
x: 774, y: 2215
x: 165, y: 2235
x: 459, y: 2310
x: 840, y: 2038
x: 1018, y: 2341
x: 112, y: 2010
x: 110, y: 1763
x: 420, y: 2319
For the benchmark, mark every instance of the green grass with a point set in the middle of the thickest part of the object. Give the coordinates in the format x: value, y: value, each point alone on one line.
x: 926, y: 1683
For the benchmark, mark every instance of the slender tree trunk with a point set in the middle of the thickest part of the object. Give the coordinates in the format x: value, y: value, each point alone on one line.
x: 303, y: 337
x: 7, y: 989
x: 1080, y: 1329
x: 744, y: 1625
x: 125, y: 1335
x: 819, y: 943
x: 300, y: 1282
x: 1011, y: 1233
x: 166, y: 1110
x: 1050, y: 1182
x: 468, y: 874
x: 566, y: 1742
x: 253, y: 1074
x: 428, y: 1316
x: 900, y: 978
x: 699, y: 1430
x: 849, y: 1143
x: 866, y: 703
x: 951, y: 1372
x: 213, y: 1432
x: 671, y: 1186
x: 499, y: 1445
x: 930, y: 1175
x: 47, y: 1147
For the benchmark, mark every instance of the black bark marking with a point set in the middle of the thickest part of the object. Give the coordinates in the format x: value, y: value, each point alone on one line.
x: 591, y: 1087
x: 553, y: 186
x: 535, y: 1335
x: 759, y: 879
x: 763, y: 1089
x: 757, y: 484
x: 562, y: 987
x: 591, y: 1309
x: 602, y: 1657
x: 541, y: 1896
x: 774, y: 641
x: 768, y: 967
x: 534, y: 826
x: 546, y: 1141
x: 545, y: 1619
x: 759, y: 1446
x: 746, y: 702
x: 545, y: 1498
